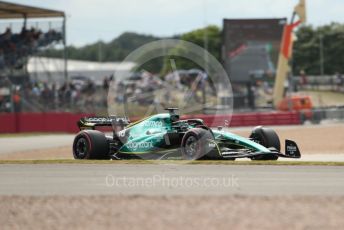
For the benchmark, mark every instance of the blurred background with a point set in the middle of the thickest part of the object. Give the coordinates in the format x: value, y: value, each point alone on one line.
x: 285, y: 61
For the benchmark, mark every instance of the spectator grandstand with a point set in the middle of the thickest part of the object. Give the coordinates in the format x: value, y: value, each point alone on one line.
x: 18, y: 45
x: 15, y: 48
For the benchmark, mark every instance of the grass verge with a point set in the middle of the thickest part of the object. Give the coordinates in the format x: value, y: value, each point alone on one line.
x: 177, y: 162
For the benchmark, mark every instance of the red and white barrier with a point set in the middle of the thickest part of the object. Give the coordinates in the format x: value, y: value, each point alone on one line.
x: 249, y: 119
x: 39, y: 122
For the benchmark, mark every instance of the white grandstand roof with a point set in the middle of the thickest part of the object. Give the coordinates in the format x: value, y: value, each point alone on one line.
x: 42, y: 64
x: 13, y: 10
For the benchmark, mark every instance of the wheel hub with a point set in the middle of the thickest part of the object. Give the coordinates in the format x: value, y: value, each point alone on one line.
x: 191, y: 147
x: 81, y: 147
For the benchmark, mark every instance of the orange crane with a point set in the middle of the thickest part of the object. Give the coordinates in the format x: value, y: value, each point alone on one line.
x: 285, y: 55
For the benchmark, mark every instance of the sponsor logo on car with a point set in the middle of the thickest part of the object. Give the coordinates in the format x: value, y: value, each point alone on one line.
x: 291, y: 149
x: 121, y: 133
x: 153, y: 124
x: 139, y: 145
x: 107, y: 119
x: 98, y: 119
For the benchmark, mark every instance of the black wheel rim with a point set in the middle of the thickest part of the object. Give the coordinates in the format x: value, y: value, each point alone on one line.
x: 191, y: 147
x: 81, y: 148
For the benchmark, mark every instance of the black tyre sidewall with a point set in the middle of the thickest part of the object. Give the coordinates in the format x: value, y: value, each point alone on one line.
x: 202, y: 136
x: 98, y: 147
x: 268, y: 138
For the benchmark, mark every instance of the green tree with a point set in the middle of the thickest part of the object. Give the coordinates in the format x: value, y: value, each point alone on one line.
x: 211, y: 33
x: 115, y: 50
x: 306, y: 55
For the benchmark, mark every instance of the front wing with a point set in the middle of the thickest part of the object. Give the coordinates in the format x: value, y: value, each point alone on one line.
x: 291, y: 151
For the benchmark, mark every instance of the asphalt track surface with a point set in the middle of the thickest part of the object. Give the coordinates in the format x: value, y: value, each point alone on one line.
x: 12, y: 145
x: 34, y: 142
x: 168, y: 179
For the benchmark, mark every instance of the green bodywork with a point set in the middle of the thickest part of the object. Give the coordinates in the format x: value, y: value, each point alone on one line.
x: 147, y: 136
x: 239, y: 141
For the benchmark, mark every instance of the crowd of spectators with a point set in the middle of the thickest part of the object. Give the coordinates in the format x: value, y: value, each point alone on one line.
x: 333, y: 83
x: 82, y: 94
x: 143, y: 87
x: 68, y: 96
x: 16, y: 46
x: 40, y: 96
x: 138, y: 88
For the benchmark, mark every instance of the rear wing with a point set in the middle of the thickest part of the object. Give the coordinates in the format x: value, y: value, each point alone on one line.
x: 93, y: 122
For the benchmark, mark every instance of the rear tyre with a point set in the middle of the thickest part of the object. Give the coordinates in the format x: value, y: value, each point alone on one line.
x: 195, y: 143
x: 268, y: 138
x: 90, y: 144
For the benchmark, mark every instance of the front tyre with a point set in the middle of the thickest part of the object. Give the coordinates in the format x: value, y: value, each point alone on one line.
x: 90, y: 144
x: 268, y: 138
x: 195, y: 143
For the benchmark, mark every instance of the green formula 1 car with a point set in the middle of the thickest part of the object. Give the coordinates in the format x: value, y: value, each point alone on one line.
x: 166, y: 136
